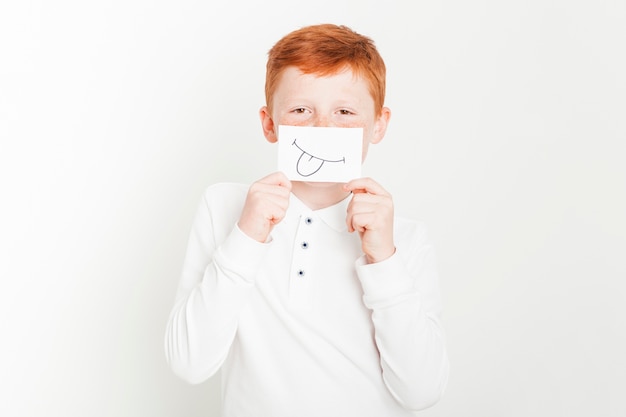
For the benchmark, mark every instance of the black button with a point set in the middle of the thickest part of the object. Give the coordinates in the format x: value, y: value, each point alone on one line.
x: 301, y: 272
x: 304, y: 245
x: 308, y: 220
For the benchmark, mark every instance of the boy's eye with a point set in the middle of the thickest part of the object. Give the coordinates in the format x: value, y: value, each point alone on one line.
x: 299, y: 110
x: 344, y: 112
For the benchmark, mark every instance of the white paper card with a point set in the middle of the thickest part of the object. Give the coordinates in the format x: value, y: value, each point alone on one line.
x: 320, y: 154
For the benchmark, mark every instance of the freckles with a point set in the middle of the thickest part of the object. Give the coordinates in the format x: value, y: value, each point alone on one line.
x: 291, y: 120
x: 351, y: 122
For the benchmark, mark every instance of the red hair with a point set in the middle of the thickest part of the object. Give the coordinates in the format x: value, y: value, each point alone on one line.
x: 326, y: 50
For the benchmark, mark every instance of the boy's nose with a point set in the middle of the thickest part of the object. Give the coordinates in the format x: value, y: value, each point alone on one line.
x: 322, y: 121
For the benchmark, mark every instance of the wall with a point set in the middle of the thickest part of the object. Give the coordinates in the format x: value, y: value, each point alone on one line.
x: 507, y: 138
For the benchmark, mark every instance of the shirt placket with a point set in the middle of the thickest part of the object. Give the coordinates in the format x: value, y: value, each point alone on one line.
x: 302, y: 262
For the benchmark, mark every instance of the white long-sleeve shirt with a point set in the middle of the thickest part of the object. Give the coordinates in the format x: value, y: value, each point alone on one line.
x: 301, y: 325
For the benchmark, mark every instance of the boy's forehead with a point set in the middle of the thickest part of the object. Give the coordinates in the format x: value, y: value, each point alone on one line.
x: 297, y: 75
x: 324, y: 73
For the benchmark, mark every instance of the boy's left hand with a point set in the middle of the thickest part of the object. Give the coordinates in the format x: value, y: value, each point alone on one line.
x: 370, y: 212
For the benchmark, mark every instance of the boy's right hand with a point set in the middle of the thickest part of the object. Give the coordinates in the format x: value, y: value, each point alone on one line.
x: 265, y: 206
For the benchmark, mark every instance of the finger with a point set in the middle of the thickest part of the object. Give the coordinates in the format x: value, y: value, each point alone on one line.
x: 367, y: 198
x: 361, y: 185
x: 369, y: 202
x: 355, y: 216
x: 380, y: 208
x: 262, y: 190
x: 276, y: 178
x: 363, y: 221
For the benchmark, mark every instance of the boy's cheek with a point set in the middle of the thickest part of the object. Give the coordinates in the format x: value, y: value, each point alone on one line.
x: 295, y: 120
x: 351, y: 122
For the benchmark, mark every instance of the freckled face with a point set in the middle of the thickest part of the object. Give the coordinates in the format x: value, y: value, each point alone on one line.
x: 339, y: 100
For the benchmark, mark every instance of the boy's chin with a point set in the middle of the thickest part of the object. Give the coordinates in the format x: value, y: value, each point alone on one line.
x: 318, y: 184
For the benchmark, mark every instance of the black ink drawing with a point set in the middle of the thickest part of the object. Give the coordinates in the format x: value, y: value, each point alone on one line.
x: 308, y: 164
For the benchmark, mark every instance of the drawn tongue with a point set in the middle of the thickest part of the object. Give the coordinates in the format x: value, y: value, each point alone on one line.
x: 308, y: 165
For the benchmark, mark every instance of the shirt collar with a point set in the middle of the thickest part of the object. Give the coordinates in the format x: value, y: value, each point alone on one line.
x: 334, y: 216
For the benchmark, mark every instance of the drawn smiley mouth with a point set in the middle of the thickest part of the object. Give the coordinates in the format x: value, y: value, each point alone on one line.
x: 309, y: 164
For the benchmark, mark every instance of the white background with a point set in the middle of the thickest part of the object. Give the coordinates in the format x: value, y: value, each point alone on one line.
x: 507, y: 138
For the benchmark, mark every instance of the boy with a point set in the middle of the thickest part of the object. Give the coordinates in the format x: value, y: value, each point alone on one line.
x: 311, y: 297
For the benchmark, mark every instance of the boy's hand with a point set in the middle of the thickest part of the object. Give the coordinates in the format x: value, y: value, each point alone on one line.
x: 371, y: 214
x: 265, y: 206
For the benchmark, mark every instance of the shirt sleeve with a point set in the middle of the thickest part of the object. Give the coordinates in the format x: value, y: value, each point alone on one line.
x: 217, y: 277
x: 404, y: 297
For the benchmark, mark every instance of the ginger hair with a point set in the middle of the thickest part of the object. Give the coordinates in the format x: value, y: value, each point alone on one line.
x: 324, y: 50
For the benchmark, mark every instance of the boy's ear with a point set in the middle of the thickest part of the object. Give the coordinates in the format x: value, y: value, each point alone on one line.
x: 269, y: 128
x: 380, y: 126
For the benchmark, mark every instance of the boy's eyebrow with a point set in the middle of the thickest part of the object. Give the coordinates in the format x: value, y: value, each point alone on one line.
x: 291, y: 101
